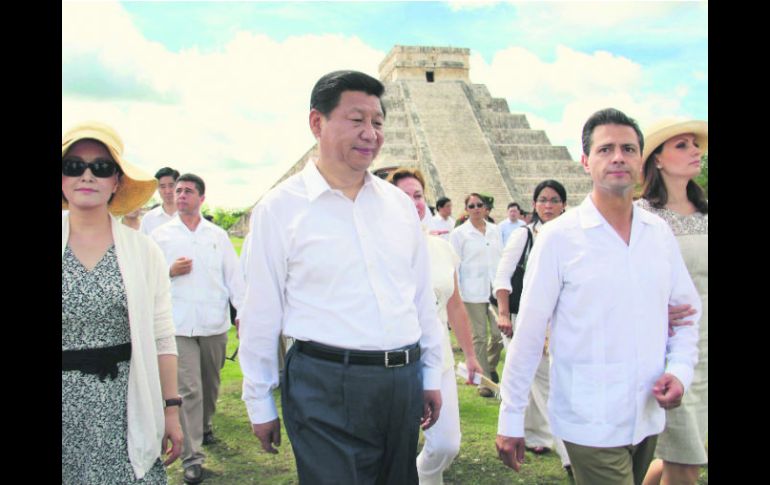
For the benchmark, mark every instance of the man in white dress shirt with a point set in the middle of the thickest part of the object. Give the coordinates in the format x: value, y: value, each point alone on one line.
x: 337, y: 261
x: 441, y: 224
x: 507, y: 226
x: 167, y: 210
x: 205, y: 275
x: 602, y: 276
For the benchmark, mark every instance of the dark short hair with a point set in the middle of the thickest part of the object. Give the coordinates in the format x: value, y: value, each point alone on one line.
x: 474, y: 194
x: 327, y: 91
x: 514, y: 204
x: 442, y: 201
x: 167, y: 172
x: 609, y: 116
x: 550, y: 183
x: 191, y: 177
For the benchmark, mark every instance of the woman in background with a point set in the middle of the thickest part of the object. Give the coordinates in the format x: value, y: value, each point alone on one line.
x: 478, y: 244
x: 442, y: 440
x: 549, y: 201
x: 118, y: 345
x: 672, y: 159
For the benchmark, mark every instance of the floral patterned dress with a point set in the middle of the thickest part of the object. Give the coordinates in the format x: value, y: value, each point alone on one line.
x: 94, y: 411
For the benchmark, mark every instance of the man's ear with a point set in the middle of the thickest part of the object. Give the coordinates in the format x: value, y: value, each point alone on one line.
x: 315, y: 120
x: 584, y: 162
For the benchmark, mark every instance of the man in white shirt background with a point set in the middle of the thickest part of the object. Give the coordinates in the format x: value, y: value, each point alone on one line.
x: 337, y: 261
x: 205, y: 274
x: 602, y: 276
x: 441, y: 224
x: 166, y: 211
x: 514, y: 221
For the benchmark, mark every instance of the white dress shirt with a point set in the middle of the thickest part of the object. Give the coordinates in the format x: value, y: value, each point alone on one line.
x: 506, y: 228
x: 323, y: 268
x: 608, y: 307
x: 438, y: 223
x: 200, y: 298
x: 479, y: 254
x: 154, y: 218
x: 510, y: 257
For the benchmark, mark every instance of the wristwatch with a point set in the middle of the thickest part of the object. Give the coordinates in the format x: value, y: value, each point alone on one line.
x: 177, y: 401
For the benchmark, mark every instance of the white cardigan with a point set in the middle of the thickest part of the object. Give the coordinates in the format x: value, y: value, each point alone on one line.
x: 148, y: 293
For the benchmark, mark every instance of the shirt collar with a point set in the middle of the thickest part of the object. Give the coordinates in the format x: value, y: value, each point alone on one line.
x: 591, y: 217
x: 316, y: 184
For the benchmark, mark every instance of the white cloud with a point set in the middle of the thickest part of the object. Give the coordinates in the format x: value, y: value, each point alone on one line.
x: 571, y: 88
x: 246, y: 103
x: 457, y: 5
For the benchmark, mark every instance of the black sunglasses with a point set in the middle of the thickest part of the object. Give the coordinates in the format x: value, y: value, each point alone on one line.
x: 474, y: 206
x: 100, y: 168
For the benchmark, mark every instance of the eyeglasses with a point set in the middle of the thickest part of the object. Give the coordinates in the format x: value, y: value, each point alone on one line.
x: 100, y: 168
x: 554, y: 201
x: 475, y: 206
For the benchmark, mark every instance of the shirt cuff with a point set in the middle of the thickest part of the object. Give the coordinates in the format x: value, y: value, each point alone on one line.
x: 510, y: 424
x: 262, y: 411
x: 682, y: 372
x: 431, y: 379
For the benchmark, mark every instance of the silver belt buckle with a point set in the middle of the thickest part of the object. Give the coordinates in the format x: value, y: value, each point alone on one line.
x: 387, y: 358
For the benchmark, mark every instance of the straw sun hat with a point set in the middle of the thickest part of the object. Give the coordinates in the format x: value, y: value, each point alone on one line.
x: 657, y: 133
x: 135, y: 186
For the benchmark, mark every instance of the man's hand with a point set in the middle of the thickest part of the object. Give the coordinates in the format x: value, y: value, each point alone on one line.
x: 677, y: 315
x: 238, y: 328
x: 510, y: 450
x: 268, y: 433
x: 473, y: 366
x: 431, y: 408
x: 180, y: 267
x: 668, y: 391
x: 505, y: 325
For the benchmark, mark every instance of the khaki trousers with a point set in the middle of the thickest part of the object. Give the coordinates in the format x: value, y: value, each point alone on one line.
x: 620, y: 465
x: 488, y: 344
x: 199, y: 363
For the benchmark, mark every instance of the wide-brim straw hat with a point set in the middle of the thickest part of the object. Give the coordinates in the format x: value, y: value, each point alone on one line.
x: 657, y: 133
x: 135, y: 187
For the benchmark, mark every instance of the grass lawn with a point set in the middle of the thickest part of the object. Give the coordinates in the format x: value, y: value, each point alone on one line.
x: 238, y: 459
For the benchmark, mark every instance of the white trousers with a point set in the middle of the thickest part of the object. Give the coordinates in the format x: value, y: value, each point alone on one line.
x: 442, y: 440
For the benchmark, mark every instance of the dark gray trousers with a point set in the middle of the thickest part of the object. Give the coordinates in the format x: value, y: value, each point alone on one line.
x: 352, y: 424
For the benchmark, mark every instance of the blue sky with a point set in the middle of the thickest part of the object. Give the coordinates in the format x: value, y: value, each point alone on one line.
x: 221, y: 88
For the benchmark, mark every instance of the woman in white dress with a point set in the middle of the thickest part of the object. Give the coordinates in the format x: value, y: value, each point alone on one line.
x: 672, y: 159
x: 442, y: 440
x: 549, y: 201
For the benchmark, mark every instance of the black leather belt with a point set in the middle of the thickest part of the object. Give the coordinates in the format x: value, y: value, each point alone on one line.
x: 389, y: 358
x: 102, y: 361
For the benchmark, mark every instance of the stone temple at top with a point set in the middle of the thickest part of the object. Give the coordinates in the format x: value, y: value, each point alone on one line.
x: 460, y: 137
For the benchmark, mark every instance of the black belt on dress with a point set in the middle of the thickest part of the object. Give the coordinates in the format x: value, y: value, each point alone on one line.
x: 102, y: 361
x: 389, y: 358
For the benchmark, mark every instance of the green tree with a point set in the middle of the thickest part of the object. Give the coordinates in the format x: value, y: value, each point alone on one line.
x: 703, y: 178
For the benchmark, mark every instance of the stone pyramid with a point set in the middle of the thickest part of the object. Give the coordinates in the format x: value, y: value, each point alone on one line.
x: 460, y: 137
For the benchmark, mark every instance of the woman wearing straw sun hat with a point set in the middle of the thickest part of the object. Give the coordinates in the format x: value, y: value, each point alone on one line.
x: 118, y: 343
x: 672, y: 159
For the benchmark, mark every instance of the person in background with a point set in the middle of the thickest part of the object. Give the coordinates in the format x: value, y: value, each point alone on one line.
x: 119, y: 358
x: 512, y: 222
x: 478, y: 244
x: 132, y: 219
x: 602, y: 277
x: 549, y: 201
x: 166, y: 211
x: 442, y: 441
x: 672, y: 159
x: 441, y: 224
x: 205, y: 277
x: 337, y: 261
